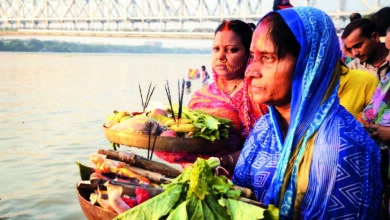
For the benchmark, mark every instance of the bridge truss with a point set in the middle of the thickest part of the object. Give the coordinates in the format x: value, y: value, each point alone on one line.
x: 151, y: 15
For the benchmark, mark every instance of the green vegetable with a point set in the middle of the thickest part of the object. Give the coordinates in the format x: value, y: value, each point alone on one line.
x: 85, y: 171
x: 209, y: 127
x: 198, y: 194
x: 156, y: 207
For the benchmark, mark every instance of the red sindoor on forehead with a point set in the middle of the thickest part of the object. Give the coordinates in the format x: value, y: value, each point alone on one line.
x: 226, y: 28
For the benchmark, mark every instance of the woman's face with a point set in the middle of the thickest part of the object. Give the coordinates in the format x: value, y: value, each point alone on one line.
x: 271, y: 75
x: 228, y: 56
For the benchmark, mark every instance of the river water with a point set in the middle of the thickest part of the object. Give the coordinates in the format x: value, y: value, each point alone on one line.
x: 52, y: 107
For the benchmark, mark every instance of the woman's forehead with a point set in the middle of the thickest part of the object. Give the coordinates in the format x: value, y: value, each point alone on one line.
x: 262, y: 40
x: 226, y: 37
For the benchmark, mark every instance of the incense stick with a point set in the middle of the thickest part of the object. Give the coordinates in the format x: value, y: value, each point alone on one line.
x: 142, y: 100
x: 181, y: 93
x: 154, y: 143
x: 168, y: 91
x: 150, y: 133
x: 148, y: 96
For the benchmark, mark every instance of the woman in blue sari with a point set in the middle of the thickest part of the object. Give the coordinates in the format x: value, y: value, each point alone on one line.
x: 309, y: 156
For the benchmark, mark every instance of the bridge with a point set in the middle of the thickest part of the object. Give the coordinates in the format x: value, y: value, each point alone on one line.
x: 150, y: 18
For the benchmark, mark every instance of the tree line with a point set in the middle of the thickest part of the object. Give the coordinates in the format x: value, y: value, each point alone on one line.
x: 35, y: 45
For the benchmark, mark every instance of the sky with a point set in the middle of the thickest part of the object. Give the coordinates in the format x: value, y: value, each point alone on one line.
x: 327, y: 6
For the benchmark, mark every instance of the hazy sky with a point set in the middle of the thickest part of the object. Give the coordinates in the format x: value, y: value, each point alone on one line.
x: 326, y: 5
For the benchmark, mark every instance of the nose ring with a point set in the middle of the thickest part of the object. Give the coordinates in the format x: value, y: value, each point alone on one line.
x: 224, y: 60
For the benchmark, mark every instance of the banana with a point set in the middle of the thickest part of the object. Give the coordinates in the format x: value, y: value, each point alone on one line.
x: 120, y: 115
x: 171, y: 122
x: 183, y: 128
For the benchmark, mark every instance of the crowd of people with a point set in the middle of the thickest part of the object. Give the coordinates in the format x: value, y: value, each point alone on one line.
x: 311, y: 128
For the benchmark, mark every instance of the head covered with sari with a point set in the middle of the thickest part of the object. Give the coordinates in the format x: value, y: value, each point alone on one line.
x: 313, y: 103
x: 304, y: 177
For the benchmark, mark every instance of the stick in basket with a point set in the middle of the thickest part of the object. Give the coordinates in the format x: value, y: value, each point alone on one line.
x: 138, y: 161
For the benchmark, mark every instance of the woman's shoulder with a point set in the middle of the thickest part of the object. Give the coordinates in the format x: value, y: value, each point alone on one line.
x: 262, y: 128
x: 263, y: 123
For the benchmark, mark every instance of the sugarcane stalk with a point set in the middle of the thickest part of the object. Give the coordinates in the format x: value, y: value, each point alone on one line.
x: 138, y: 161
x: 150, y: 175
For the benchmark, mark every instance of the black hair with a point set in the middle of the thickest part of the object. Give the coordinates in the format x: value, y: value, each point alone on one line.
x: 242, y: 29
x: 282, y: 36
x: 381, y: 19
x: 355, y: 16
x: 366, y: 26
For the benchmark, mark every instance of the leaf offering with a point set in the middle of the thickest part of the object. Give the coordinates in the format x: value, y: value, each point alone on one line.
x: 198, y: 194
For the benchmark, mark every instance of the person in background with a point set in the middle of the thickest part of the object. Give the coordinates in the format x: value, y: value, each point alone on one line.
x: 354, y: 16
x: 345, y: 56
x: 227, y: 96
x: 204, y: 75
x: 376, y: 119
x: 381, y: 19
x: 356, y: 89
x: 356, y: 86
x: 196, y: 74
x: 362, y: 41
x: 309, y: 157
x: 281, y: 4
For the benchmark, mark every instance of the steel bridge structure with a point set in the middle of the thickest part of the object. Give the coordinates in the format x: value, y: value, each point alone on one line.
x: 148, y: 16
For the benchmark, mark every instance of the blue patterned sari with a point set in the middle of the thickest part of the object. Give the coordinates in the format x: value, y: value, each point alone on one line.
x: 327, y: 167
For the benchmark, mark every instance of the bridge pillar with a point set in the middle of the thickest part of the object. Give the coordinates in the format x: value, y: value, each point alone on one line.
x: 88, y: 25
x: 35, y: 24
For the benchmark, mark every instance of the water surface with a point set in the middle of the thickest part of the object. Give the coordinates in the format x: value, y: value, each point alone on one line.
x: 52, y: 107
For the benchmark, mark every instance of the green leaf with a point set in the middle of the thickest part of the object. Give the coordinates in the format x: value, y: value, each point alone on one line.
x: 241, y: 210
x: 220, y: 184
x: 85, y: 171
x: 195, y: 209
x: 208, y: 214
x: 212, y: 123
x: 200, y: 177
x: 180, y: 213
x: 272, y: 213
x: 219, y: 211
x: 155, y: 207
x: 234, y: 194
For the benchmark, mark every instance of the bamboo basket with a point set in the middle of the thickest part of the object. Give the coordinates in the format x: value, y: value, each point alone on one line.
x: 140, y: 140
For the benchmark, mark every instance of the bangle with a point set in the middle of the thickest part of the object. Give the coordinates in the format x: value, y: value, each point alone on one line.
x: 231, y: 162
x: 226, y: 163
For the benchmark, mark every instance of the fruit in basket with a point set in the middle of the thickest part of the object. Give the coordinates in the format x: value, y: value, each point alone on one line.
x: 137, y: 124
x: 183, y: 128
x: 158, y: 112
x: 168, y: 133
x: 120, y: 115
x: 171, y: 121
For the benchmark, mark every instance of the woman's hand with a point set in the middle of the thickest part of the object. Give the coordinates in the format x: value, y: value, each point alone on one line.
x: 379, y: 131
